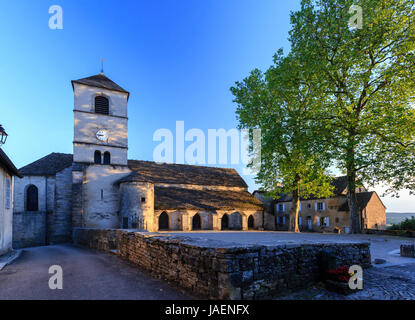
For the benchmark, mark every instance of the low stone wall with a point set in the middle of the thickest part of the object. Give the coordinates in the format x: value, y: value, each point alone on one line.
x: 98, y: 239
x: 221, y: 270
x: 397, y: 233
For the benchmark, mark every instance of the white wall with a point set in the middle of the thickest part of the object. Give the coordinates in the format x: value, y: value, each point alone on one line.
x: 6, y: 214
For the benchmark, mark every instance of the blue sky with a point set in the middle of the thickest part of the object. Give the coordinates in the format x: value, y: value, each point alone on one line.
x: 177, y: 58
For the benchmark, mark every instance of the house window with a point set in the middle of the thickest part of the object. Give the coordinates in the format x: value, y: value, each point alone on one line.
x: 107, y: 157
x: 320, y: 206
x: 97, y: 157
x: 281, y: 207
x: 324, y: 221
x: 101, y: 105
x: 32, y: 198
x: 102, y: 194
x: 309, y: 205
x: 143, y: 199
x: 8, y: 194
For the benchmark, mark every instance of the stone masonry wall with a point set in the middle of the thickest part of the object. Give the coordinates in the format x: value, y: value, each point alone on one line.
x: 29, y: 229
x: 59, y: 224
x: 218, y: 270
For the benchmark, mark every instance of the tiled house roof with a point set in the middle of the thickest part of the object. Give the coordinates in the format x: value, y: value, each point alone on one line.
x: 48, y: 165
x: 101, y: 81
x: 339, y: 183
x: 149, y: 171
x: 363, y: 199
x: 180, y: 198
x: 8, y: 165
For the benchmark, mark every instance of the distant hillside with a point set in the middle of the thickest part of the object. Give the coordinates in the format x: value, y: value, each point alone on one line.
x: 396, y: 217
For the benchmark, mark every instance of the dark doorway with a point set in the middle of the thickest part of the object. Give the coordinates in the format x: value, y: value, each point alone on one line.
x: 164, y: 221
x: 196, y: 222
x: 32, y: 198
x: 251, y: 222
x: 125, y: 222
x: 225, y: 222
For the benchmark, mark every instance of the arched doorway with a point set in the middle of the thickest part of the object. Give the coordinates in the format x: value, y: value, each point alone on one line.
x: 251, y: 222
x: 164, y: 221
x: 225, y: 222
x: 236, y: 221
x: 196, y: 222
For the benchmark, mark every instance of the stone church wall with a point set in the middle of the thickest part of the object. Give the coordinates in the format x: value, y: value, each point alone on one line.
x: 29, y: 229
x: 137, y: 205
x: 100, y: 195
x: 217, y: 270
x: 60, y: 224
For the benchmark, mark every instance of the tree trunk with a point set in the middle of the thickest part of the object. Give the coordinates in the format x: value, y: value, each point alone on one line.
x: 352, y: 200
x: 295, y: 208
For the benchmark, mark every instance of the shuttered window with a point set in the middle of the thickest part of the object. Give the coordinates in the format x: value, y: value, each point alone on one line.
x: 8, y: 194
x: 101, y: 105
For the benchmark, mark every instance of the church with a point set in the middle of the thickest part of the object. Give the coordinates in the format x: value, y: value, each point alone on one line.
x: 99, y: 187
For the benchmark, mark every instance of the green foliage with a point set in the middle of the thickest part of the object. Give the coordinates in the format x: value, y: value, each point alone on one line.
x: 279, y: 102
x: 342, y: 96
x: 407, y: 224
x: 366, y: 77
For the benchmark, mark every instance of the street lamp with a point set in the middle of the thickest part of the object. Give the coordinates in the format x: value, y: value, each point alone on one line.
x: 3, y: 135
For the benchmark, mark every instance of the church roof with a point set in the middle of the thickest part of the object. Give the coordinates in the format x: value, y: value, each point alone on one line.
x: 48, y: 165
x: 166, y: 198
x: 8, y: 165
x: 101, y: 81
x: 149, y: 171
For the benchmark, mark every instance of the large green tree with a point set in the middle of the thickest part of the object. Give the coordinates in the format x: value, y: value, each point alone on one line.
x: 293, y: 154
x: 366, y: 74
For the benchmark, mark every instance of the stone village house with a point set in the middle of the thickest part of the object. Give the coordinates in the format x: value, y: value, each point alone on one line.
x: 7, y: 173
x: 328, y: 214
x: 98, y: 187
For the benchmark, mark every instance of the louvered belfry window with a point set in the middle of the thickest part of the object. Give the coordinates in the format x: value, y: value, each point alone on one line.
x: 101, y: 105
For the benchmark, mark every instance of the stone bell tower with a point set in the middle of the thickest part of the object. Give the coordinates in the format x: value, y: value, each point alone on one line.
x: 100, y: 148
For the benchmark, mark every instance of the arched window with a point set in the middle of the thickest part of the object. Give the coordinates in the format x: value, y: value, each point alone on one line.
x: 196, y: 222
x: 101, y: 105
x: 32, y: 198
x: 164, y: 221
x: 107, y: 157
x: 225, y: 222
x: 251, y: 222
x: 97, y: 157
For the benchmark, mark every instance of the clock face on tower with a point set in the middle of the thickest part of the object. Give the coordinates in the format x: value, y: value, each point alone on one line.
x: 102, y: 135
